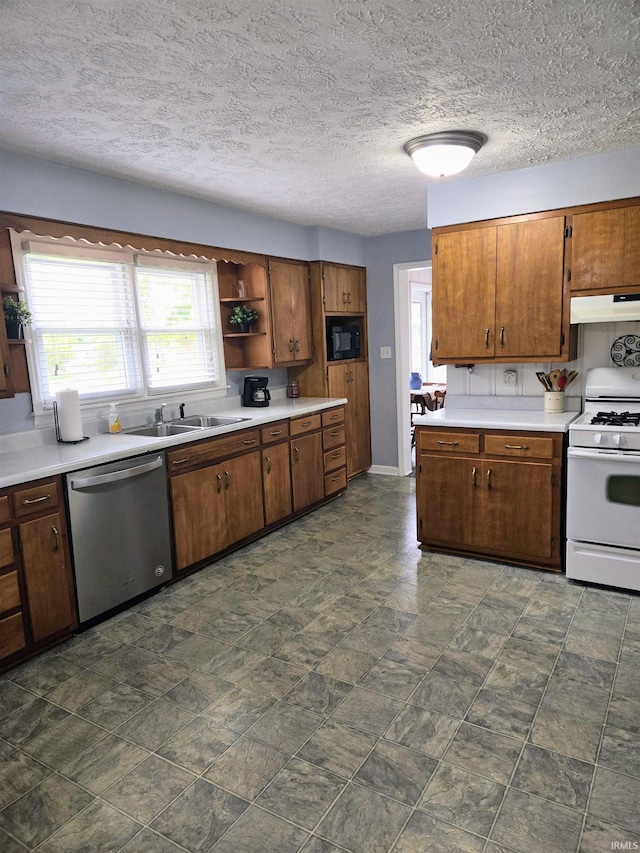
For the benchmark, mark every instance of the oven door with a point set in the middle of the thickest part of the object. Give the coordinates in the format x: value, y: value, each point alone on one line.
x: 603, y: 497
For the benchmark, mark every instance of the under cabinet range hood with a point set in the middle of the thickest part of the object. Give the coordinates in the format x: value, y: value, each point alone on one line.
x: 613, y: 308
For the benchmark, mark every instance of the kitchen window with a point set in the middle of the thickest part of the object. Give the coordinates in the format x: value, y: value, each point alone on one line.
x: 117, y: 323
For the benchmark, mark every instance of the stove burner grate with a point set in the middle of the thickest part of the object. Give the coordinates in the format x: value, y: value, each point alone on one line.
x: 622, y: 419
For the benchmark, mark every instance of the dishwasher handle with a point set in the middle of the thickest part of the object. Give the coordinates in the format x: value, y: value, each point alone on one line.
x: 114, y: 476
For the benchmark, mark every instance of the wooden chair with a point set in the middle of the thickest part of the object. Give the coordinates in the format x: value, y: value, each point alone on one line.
x: 439, y: 398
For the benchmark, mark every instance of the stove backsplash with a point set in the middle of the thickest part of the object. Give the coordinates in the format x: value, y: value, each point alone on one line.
x: 464, y: 387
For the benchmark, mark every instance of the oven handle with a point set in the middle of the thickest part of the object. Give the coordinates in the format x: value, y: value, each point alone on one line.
x: 602, y: 455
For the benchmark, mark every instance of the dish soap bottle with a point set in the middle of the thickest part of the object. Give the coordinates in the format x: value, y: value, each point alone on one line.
x: 114, y: 419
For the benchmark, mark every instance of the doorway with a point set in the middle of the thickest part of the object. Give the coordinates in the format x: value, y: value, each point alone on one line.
x: 412, y: 302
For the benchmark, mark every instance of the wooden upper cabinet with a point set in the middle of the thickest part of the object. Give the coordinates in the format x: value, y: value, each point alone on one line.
x: 529, y: 293
x: 605, y: 251
x: 345, y: 290
x: 464, y: 275
x: 290, y: 311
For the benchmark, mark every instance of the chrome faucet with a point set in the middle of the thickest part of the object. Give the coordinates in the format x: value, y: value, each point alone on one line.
x: 182, y: 405
x: 159, y: 415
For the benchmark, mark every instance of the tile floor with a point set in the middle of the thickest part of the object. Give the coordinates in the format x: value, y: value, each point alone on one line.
x: 331, y: 688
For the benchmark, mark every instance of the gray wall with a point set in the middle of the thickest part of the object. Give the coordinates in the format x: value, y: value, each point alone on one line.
x: 382, y: 254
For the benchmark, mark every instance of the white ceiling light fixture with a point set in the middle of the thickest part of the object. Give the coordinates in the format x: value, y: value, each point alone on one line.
x: 442, y: 154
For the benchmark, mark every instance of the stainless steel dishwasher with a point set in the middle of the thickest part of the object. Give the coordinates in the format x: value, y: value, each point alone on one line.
x: 119, y: 520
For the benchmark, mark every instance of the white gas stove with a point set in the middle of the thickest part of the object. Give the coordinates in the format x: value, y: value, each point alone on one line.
x: 603, y: 481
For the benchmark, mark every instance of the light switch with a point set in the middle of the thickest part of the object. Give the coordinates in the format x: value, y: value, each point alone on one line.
x: 385, y: 352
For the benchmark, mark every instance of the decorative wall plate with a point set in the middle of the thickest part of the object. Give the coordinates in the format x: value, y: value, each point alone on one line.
x: 625, y: 351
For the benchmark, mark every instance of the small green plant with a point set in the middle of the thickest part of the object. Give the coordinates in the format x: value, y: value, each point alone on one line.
x: 16, y: 312
x: 243, y: 316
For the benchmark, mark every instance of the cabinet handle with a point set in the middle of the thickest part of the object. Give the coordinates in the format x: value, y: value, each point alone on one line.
x: 346, y: 375
x: 180, y: 461
x: 349, y: 297
x: 452, y: 443
x: 344, y: 297
x: 268, y: 461
x: 474, y: 471
x: 276, y: 432
x: 227, y: 479
x: 351, y: 376
x: 290, y: 346
x: 306, y: 424
x: 55, y: 535
x: 333, y: 417
x: 488, y: 478
x: 333, y: 479
x: 296, y: 454
x: 335, y: 456
x: 516, y: 446
x: 36, y: 500
x: 502, y: 336
x: 297, y: 346
x: 249, y: 440
x: 335, y: 432
x: 486, y: 338
x: 218, y: 484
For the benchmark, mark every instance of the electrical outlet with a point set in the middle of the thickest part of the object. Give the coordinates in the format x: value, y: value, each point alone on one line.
x: 510, y: 377
x: 385, y: 352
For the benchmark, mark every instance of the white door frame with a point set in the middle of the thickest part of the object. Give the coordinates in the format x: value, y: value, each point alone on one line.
x: 402, y: 311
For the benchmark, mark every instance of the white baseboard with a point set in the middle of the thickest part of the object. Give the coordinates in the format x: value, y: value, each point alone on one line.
x: 387, y: 470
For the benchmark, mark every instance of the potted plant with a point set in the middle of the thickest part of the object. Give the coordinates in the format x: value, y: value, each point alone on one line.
x: 243, y: 317
x: 16, y: 315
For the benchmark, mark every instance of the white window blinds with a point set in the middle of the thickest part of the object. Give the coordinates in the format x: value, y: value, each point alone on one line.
x: 117, y: 324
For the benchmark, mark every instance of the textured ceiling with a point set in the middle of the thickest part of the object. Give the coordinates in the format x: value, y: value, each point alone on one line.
x: 299, y: 109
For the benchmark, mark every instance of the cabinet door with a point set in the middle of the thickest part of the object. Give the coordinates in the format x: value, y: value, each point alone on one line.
x: 447, y: 500
x: 529, y: 283
x: 198, y: 515
x: 605, y: 250
x: 244, y: 507
x: 516, y: 515
x: 290, y: 311
x: 345, y: 290
x: 307, y: 472
x: 276, y: 479
x: 46, y: 576
x: 464, y: 276
x: 351, y: 380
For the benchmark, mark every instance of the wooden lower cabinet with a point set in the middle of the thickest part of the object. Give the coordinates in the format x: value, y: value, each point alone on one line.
x: 351, y: 380
x: 37, y: 600
x: 276, y: 479
x: 307, y: 470
x: 216, y: 506
x: 477, y: 503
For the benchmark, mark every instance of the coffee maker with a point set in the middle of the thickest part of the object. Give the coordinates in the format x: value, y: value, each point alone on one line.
x: 255, y: 391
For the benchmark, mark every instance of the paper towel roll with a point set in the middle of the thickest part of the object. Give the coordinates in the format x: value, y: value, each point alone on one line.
x: 69, y: 418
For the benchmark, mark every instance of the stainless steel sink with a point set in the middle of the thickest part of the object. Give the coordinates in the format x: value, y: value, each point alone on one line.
x: 162, y: 430
x: 204, y: 421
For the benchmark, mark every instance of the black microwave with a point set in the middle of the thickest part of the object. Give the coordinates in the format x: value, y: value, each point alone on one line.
x: 342, y: 342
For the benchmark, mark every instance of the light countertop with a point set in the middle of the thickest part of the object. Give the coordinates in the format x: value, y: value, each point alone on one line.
x: 513, y: 419
x: 34, y: 462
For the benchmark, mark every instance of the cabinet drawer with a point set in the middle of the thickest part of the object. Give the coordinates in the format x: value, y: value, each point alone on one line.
x: 453, y: 442
x: 5, y: 515
x: 11, y: 635
x: 28, y: 501
x: 6, y: 548
x: 309, y: 423
x: 335, y: 459
x: 274, y: 432
x: 333, y: 416
x: 208, y: 451
x: 518, y: 445
x: 9, y: 592
x: 332, y: 437
x: 335, y: 482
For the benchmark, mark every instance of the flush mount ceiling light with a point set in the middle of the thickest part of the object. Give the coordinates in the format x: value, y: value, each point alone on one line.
x: 442, y: 154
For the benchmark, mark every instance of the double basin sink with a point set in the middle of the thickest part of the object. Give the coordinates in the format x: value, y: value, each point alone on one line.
x: 183, y: 425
